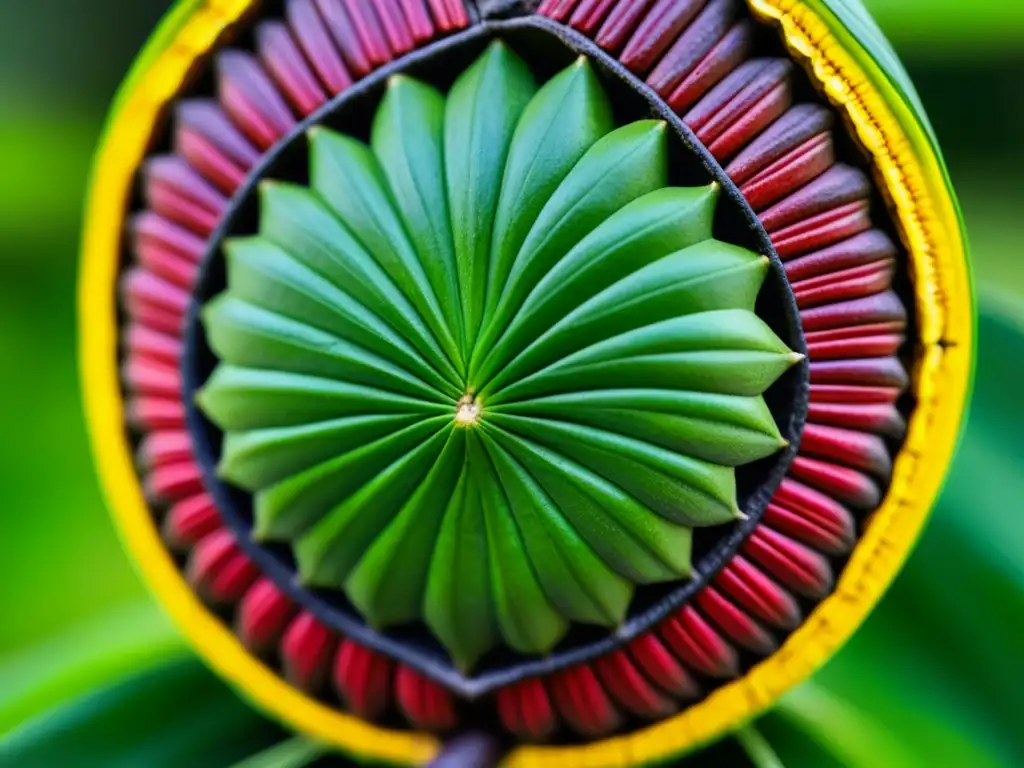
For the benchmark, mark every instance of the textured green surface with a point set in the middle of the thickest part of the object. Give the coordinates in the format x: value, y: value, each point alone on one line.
x: 490, y: 371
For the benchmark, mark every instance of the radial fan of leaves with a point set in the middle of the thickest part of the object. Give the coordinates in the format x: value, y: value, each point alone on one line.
x: 490, y: 371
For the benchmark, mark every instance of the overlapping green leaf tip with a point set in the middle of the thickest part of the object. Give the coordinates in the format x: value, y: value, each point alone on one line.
x: 490, y: 371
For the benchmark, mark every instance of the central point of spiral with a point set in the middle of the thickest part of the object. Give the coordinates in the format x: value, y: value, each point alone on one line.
x: 467, y: 411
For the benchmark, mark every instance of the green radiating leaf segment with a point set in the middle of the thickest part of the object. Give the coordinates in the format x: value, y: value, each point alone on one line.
x: 490, y: 370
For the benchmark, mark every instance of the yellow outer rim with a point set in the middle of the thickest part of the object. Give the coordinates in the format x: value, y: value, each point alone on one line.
x: 929, y: 225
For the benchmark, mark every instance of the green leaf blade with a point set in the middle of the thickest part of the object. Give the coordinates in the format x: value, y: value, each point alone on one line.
x: 576, y: 581
x: 635, y: 157
x: 345, y: 173
x: 262, y: 274
x: 288, y: 508
x: 458, y: 605
x: 483, y: 108
x: 387, y: 584
x: 564, y: 119
x: 327, y: 553
x: 635, y: 542
x: 527, y: 620
x: 643, y: 231
x: 413, y: 162
x: 298, y: 221
x: 238, y: 398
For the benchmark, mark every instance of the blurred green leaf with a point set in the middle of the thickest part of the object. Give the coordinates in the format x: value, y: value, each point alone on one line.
x: 169, y: 714
x: 53, y: 671
x: 296, y: 752
x: 61, y: 562
x: 760, y: 752
x: 45, y: 160
x: 941, y: 28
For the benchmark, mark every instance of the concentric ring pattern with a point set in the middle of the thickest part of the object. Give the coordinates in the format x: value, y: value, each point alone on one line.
x: 735, y: 86
x: 489, y: 371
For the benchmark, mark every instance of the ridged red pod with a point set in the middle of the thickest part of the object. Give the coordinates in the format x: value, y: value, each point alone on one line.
x: 251, y: 100
x: 621, y: 22
x: 630, y: 689
x: 306, y: 649
x: 312, y: 36
x: 165, y: 447
x: 525, y: 709
x: 152, y: 377
x: 839, y: 186
x: 586, y: 17
x: 842, y: 483
x: 698, y: 645
x: 211, y: 143
x: 739, y: 627
x: 285, y: 62
x: 190, y: 520
x: 822, y: 229
x: 153, y: 413
x: 741, y: 106
x: 209, y: 557
x: 583, y: 702
x: 672, y: 76
x: 752, y: 590
x: 172, y: 482
x: 363, y: 679
x: 798, y: 567
x: 812, y: 513
x: 264, y: 614
x: 423, y: 701
x: 158, y: 346
x: 662, y: 24
x: 662, y: 668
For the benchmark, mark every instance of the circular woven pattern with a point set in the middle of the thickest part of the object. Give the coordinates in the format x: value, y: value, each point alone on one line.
x: 490, y: 370
x: 836, y: 528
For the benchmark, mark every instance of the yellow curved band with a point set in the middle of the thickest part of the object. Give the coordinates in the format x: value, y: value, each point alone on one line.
x: 913, y: 180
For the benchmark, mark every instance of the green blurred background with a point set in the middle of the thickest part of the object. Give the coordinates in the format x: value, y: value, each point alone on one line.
x: 935, y: 678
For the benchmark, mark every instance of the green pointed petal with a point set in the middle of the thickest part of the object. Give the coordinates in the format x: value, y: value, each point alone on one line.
x: 262, y: 457
x: 483, y: 109
x: 576, y: 581
x: 632, y: 540
x: 262, y: 274
x: 327, y: 553
x: 238, y: 399
x: 290, y: 507
x: 722, y: 429
x: 387, y: 585
x: 246, y: 335
x: 708, y: 276
x: 458, y: 605
x: 626, y: 164
x: 350, y: 180
x: 413, y: 162
x: 296, y: 220
x: 728, y: 351
x: 645, y: 230
x: 680, y: 488
x: 527, y: 620
x: 561, y: 122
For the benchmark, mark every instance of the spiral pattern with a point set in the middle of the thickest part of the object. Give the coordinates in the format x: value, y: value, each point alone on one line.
x: 491, y: 370
x: 783, y: 149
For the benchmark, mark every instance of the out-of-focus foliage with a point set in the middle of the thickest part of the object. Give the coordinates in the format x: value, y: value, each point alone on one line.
x: 88, y: 667
x: 944, y: 28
